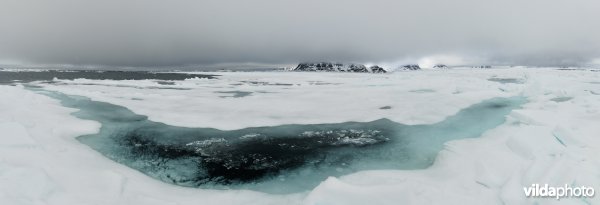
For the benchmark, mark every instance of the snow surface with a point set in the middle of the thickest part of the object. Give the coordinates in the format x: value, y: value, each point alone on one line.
x: 544, y: 142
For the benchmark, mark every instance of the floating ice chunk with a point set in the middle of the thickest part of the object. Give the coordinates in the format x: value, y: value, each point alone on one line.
x: 207, y: 142
x: 359, y: 137
x: 250, y: 136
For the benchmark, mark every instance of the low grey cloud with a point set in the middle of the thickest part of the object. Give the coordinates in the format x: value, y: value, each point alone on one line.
x: 183, y: 32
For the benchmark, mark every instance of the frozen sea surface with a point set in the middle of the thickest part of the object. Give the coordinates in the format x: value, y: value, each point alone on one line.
x: 552, y: 138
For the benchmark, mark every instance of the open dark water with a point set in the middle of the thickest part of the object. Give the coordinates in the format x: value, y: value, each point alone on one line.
x: 48, y: 75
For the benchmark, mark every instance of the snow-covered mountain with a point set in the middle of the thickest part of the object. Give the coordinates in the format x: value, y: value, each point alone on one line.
x: 410, y: 67
x: 440, y: 66
x: 338, y: 67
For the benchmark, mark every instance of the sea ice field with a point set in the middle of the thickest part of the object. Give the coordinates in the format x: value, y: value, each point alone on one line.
x: 451, y: 136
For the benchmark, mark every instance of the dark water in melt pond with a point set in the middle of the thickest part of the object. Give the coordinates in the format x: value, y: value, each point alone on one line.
x: 275, y: 159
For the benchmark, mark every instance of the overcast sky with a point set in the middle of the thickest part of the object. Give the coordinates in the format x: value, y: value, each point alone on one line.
x: 180, y: 32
